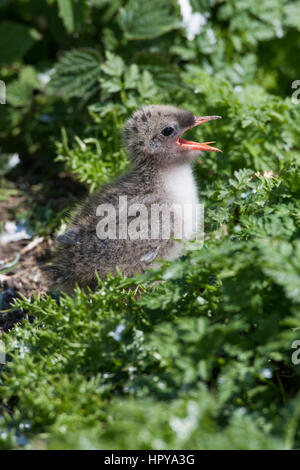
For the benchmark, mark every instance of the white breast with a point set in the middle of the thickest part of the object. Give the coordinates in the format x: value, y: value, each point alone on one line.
x: 182, y: 192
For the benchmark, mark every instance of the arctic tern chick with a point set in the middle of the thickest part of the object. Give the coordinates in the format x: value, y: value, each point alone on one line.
x: 134, y: 221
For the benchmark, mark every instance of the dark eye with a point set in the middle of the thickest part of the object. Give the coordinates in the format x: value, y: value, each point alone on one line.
x: 167, y: 131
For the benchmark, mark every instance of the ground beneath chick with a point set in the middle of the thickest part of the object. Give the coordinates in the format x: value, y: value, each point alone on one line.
x: 27, y: 277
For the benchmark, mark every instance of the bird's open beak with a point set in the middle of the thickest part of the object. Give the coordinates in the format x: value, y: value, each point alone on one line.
x: 189, y: 145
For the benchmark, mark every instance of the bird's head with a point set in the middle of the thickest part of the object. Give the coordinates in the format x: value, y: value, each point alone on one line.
x: 154, y: 132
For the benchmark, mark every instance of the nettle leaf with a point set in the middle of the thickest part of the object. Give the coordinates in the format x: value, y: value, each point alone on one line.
x: 165, y: 74
x: 72, y: 13
x: 15, y: 39
x: 77, y: 74
x: 147, y: 20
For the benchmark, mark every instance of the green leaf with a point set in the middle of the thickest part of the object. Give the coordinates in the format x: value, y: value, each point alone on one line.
x: 147, y: 20
x: 111, y: 86
x: 72, y: 13
x: 77, y: 74
x: 146, y: 86
x: 292, y: 14
x: 18, y: 93
x: 113, y: 66
x: 15, y: 39
x: 131, y: 77
x: 6, y: 268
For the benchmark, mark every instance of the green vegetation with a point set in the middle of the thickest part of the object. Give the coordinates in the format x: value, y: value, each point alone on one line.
x: 203, y: 360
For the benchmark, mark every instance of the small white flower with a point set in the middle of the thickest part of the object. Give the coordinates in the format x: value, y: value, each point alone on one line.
x: 183, y: 427
x: 267, y: 373
x: 157, y: 355
x: 14, y: 160
x: 241, y: 411
x: 45, y: 77
x: 268, y: 174
x: 117, y: 333
x: 193, y: 22
x: 13, y: 233
x: 201, y: 300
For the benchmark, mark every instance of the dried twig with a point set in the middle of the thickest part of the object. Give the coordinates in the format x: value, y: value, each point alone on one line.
x: 35, y: 242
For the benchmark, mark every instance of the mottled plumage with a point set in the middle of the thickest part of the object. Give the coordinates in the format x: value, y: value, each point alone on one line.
x: 160, y: 173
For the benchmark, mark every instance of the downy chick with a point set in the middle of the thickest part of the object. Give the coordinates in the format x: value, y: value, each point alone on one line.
x: 125, y: 224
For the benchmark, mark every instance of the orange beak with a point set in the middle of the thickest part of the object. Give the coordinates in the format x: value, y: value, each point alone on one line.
x: 189, y: 145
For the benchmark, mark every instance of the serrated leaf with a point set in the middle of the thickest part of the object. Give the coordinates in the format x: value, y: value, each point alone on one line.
x: 112, y: 86
x: 146, y: 86
x: 131, y: 77
x: 113, y: 66
x: 77, y: 73
x: 147, y: 20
